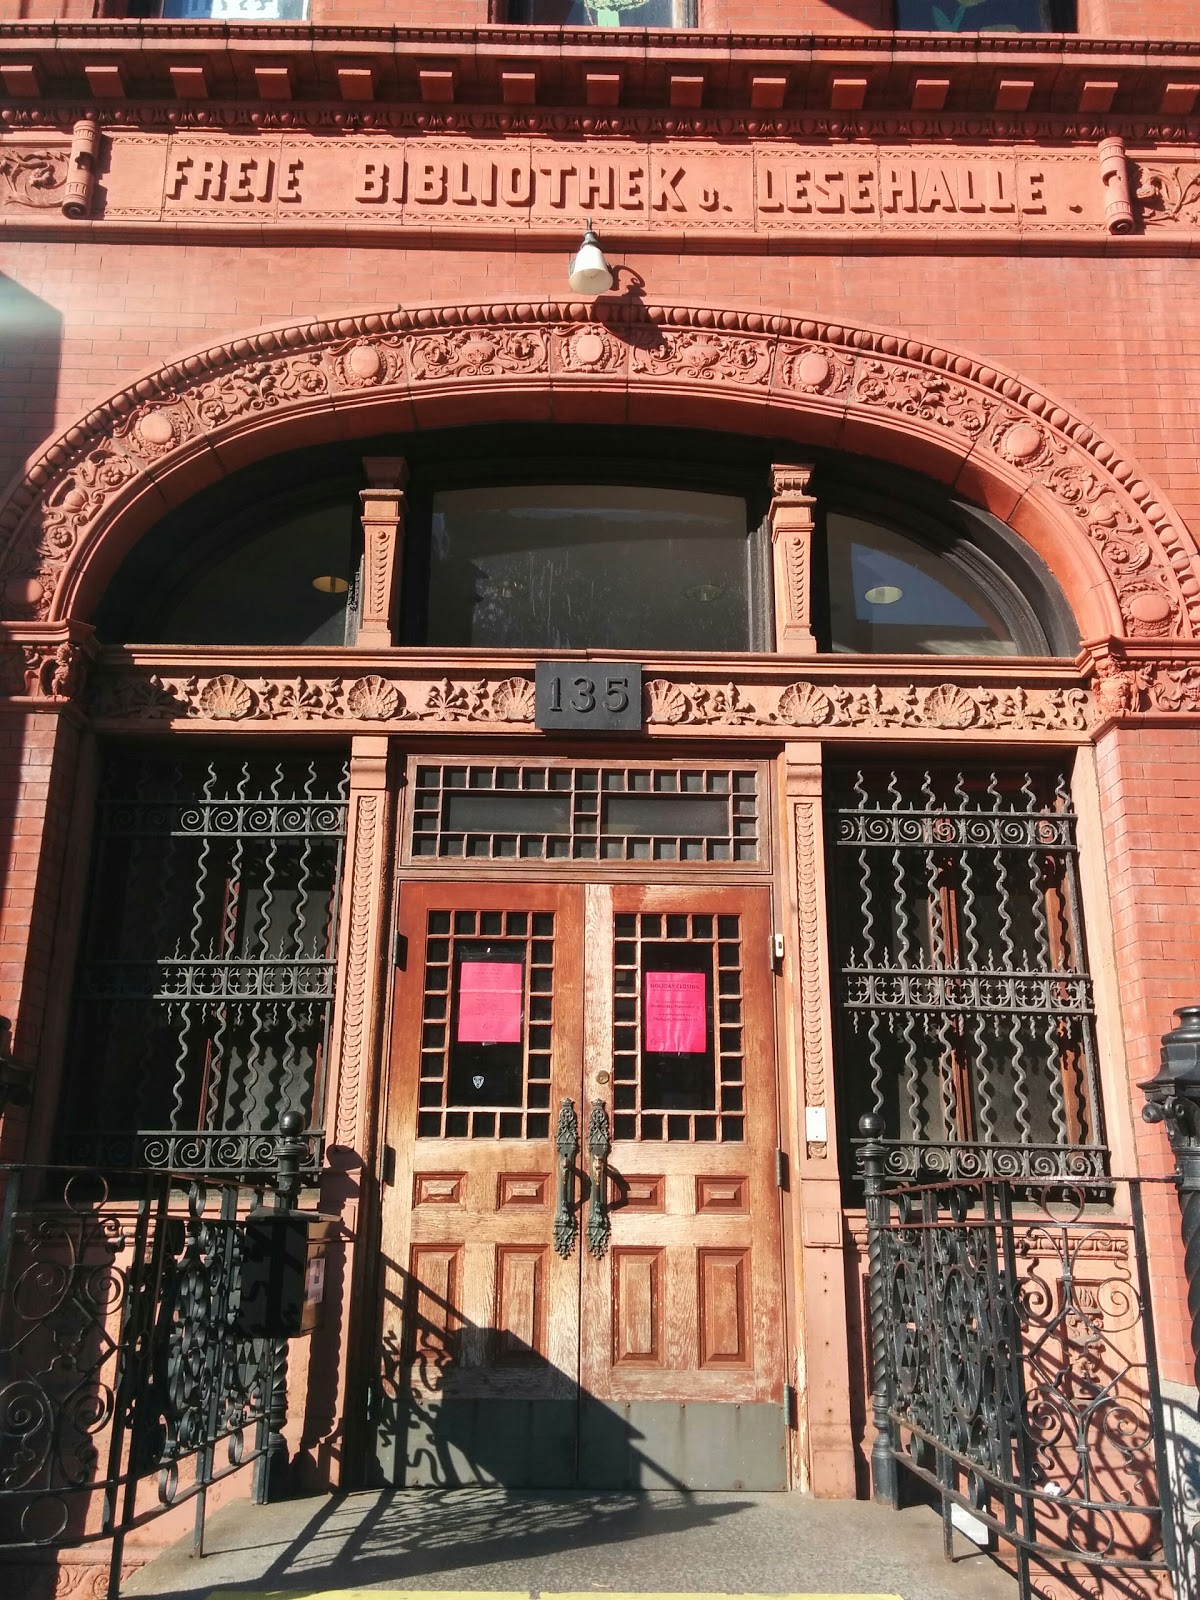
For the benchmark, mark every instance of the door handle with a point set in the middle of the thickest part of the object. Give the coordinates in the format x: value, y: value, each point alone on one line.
x: 599, y: 1228
x: 566, y: 1228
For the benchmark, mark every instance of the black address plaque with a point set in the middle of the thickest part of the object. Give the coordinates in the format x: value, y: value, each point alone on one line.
x: 605, y: 696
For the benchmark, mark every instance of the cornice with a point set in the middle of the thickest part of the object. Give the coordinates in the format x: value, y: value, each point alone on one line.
x: 99, y: 66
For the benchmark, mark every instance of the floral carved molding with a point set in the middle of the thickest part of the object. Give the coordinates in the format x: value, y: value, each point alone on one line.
x: 779, y: 705
x: 417, y: 362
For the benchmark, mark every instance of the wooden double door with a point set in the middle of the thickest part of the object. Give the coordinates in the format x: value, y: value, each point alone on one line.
x: 581, y: 1235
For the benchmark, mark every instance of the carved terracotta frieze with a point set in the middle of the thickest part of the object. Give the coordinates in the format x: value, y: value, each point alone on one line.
x: 32, y: 179
x: 776, y: 705
x: 76, y: 490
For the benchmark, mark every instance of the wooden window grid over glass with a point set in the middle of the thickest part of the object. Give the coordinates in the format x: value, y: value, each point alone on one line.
x: 687, y: 1096
x: 498, y: 1089
x: 625, y: 812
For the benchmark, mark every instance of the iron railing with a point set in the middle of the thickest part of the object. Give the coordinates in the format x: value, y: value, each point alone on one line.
x: 963, y: 996
x: 136, y: 1371
x: 1015, y: 1374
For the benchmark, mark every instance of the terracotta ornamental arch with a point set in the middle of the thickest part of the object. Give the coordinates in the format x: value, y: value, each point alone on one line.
x: 1125, y: 561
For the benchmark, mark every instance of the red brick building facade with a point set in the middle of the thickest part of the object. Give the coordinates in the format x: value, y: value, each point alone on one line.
x: 917, y: 301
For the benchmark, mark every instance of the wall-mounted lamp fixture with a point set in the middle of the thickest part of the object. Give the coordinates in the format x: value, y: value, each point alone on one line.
x: 590, y: 273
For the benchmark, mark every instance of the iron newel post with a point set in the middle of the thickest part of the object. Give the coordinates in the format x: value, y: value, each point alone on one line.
x: 1173, y: 1098
x: 884, y: 1476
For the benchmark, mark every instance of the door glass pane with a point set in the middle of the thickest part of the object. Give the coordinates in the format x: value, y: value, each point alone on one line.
x: 678, y: 1051
x: 564, y: 566
x: 486, y: 1025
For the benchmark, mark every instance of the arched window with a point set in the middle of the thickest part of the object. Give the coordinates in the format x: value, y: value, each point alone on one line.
x: 890, y: 594
x: 564, y: 538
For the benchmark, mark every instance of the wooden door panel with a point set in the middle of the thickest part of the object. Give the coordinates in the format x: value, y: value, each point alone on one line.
x: 687, y: 1308
x: 481, y: 1316
x: 662, y: 1361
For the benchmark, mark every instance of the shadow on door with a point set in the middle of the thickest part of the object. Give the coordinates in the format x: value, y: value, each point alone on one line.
x: 438, y: 1426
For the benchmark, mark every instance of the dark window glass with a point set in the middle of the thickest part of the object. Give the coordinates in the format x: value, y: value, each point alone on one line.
x: 205, y: 989
x: 489, y: 984
x: 596, y: 14
x: 962, y: 991
x: 985, y: 16
x: 554, y: 566
x: 231, y: 10
x: 286, y: 585
x: 890, y: 594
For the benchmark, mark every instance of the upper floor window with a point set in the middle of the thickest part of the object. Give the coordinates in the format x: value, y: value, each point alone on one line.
x: 225, y: 10
x: 598, y: 14
x: 986, y: 16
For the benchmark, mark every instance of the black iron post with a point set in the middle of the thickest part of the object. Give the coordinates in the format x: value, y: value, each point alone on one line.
x: 271, y: 1476
x: 1173, y: 1098
x: 884, y: 1475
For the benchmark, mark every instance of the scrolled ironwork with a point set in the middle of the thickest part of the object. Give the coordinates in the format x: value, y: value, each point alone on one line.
x: 1013, y: 1341
x: 599, y: 1227
x: 963, y: 996
x: 205, y: 991
x: 123, y: 1353
x: 566, y: 1142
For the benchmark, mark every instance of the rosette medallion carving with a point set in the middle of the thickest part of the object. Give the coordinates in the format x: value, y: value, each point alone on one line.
x: 1100, y: 514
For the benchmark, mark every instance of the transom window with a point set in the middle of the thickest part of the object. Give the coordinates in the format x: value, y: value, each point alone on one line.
x: 610, y: 539
x: 609, y: 566
x: 889, y: 594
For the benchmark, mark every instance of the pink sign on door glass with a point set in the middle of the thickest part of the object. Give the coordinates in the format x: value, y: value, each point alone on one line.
x: 489, y: 1002
x: 674, y: 1017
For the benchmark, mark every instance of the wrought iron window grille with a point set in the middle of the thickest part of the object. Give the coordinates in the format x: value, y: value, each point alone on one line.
x: 205, y: 987
x: 964, y: 1003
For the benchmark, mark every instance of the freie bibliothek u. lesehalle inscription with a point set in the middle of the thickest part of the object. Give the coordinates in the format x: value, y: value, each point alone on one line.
x: 526, y: 184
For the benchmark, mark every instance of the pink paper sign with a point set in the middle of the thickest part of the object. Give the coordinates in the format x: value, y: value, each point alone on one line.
x: 489, y: 1002
x: 675, y: 1012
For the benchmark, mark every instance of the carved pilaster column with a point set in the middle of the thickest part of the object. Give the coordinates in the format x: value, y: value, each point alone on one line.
x: 822, y: 1270
x: 791, y: 522
x: 383, y: 545
x: 350, y: 1116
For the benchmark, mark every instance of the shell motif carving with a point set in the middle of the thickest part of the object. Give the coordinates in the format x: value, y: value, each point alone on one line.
x: 225, y: 699
x: 804, y: 705
x: 949, y: 707
x: 666, y: 702
x: 373, y: 699
x: 513, y: 700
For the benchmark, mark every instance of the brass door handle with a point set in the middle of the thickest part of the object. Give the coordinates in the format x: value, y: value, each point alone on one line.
x: 566, y: 1227
x: 599, y: 1228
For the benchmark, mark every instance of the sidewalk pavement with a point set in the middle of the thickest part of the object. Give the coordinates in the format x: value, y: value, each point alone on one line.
x: 524, y: 1544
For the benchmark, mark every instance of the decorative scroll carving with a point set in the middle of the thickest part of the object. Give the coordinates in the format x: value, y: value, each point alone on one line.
x: 802, y: 706
x: 1168, y: 193
x: 401, y: 694
x: 1114, y: 174
x: 791, y: 523
x: 52, y: 671
x: 78, y: 487
x: 358, y: 943
x: 812, y: 1027
x: 32, y: 177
